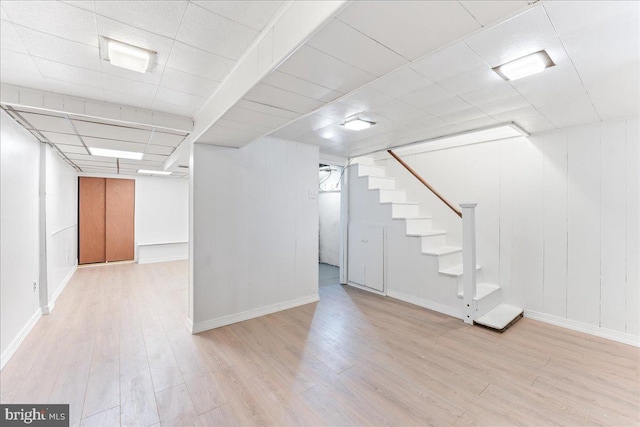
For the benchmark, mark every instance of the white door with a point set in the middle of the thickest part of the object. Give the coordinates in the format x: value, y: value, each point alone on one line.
x: 357, y: 235
x: 366, y: 256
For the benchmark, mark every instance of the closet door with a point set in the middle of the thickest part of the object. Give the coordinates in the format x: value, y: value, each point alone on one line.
x: 120, y: 196
x: 91, y: 221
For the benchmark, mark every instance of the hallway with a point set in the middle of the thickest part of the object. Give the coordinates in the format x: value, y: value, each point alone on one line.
x: 117, y: 350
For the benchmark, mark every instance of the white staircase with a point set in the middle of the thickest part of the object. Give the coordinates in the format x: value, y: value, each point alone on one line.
x: 438, y: 268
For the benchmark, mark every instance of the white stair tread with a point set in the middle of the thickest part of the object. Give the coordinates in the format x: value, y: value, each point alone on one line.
x: 482, y: 290
x: 402, y: 203
x: 500, y: 317
x: 456, y: 271
x: 427, y: 233
x: 443, y: 250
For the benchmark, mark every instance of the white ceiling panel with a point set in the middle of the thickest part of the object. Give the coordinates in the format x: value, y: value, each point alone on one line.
x: 76, y: 149
x: 411, y: 28
x: 401, y: 112
x: 517, y: 114
x: 447, y: 106
x: 18, y: 78
x: 488, y: 12
x: 67, y: 73
x: 160, y: 17
x: 448, y: 62
x: 159, y: 149
x: 267, y: 109
x: 114, y: 132
x: 355, y: 48
x: 9, y: 38
x: 579, y: 17
x: 253, y: 14
x: 226, y: 136
x: 535, y: 124
x: 427, y: 96
x: 82, y: 4
x: 401, y: 82
x: 129, y: 100
x: 504, y: 105
x: 3, y: 14
x: 18, y: 62
x: 195, y: 61
x: 75, y: 90
x: 242, y: 126
x: 366, y: 98
x: 168, y: 139
x: 172, y: 108
x: 55, y: 18
x: 555, y: 82
x: 470, y: 80
x: 152, y: 77
x: 339, y: 111
x: 318, y: 67
x: 179, y: 98
x: 58, y: 49
x: 280, y: 98
x: 302, y: 87
x: 305, y: 125
x: 113, y: 144
x: 62, y: 138
x: 463, y: 116
x: 581, y: 112
x: 213, y: 33
x: 126, y: 86
x: 188, y: 83
x: 614, y: 99
x: 488, y: 93
x: 47, y: 123
x: 243, y: 115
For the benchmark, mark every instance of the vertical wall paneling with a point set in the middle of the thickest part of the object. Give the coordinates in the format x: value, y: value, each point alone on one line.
x: 583, y: 276
x: 613, y: 222
x: 119, y: 225
x: 92, y: 193
x: 555, y: 225
x: 633, y: 228
x: 505, y: 243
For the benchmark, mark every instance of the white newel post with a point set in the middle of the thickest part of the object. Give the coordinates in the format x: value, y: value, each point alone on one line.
x: 468, y: 260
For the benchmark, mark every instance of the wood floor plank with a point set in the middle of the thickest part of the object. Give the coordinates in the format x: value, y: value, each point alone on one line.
x: 103, y: 387
x: 175, y: 407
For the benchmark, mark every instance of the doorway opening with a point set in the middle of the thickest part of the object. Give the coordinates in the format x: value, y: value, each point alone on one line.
x: 329, y: 195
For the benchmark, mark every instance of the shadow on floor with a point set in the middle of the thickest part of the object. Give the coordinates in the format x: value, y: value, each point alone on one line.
x: 328, y: 275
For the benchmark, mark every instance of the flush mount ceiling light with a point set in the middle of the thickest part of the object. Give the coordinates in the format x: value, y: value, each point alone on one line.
x: 105, y: 152
x: 357, y: 124
x: 526, y: 66
x: 127, y: 56
x: 150, y: 172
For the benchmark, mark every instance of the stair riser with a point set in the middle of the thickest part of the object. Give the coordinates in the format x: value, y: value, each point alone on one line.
x: 365, y: 170
x: 418, y: 226
x: 433, y: 242
x: 381, y: 183
x: 392, y: 196
x: 404, y: 211
x: 488, y: 303
x: 449, y: 260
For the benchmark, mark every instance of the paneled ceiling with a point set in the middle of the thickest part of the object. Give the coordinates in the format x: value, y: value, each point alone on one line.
x: 419, y: 69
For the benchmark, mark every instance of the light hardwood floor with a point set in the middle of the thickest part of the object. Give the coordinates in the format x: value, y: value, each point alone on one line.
x: 116, y: 349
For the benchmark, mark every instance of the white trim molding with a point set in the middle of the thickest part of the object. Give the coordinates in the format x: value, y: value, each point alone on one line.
x: 430, y: 305
x: 52, y: 302
x: 250, y: 314
x: 597, y: 331
x: 15, y: 344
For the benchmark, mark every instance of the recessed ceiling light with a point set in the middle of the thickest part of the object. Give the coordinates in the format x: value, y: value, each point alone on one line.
x: 127, y: 56
x: 526, y: 66
x: 357, y: 124
x: 150, y: 172
x: 120, y: 154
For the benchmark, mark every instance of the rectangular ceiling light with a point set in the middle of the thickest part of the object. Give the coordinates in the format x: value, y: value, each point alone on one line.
x: 120, y: 154
x: 150, y: 172
x: 493, y: 133
x: 526, y: 66
x: 357, y: 124
x: 127, y: 56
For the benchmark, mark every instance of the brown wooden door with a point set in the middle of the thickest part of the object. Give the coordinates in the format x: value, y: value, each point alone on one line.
x: 120, y: 196
x: 91, y: 229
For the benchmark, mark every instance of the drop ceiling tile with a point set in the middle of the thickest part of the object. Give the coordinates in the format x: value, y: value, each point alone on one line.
x: 126, y: 86
x: 302, y: 87
x: 168, y: 139
x: 82, y: 4
x: 55, y: 18
x: 524, y: 34
x: 73, y: 149
x: 253, y: 14
x: 315, y: 66
x: 3, y: 15
x: 160, y: 17
x: 113, y: 144
x: 353, y: 47
x: 401, y: 112
x: 136, y: 164
x: 488, y: 12
x: 412, y: 29
x: 239, y: 125
x: 210, y: 32
x: 535, y: 124
x: 195, y: 61
x: 447, y: 106
x: 48, y: 123
x: 303, y: 126
x: 280, y: 98
x: 448, y: 62
x: 169, y: 108
x: 244, y: 115
x: 226, y: 136
x: 151, y: 77
x: 68, y: 73
x: 462, y: 116
x: 19, y: 62
x: 267, y: 109
x: 401, y: 82
x: 516, y: 114
x: 553, y: 85
x: 366, y: 98
x: 159, y: 150
x: 17, y: 78
x: 188, y: 83
x: 339, y: 111
x: 612, y: 98
x: 427, y: 96
x: 116, y: 30
x: 60, y: 50
x: 115, y: 132
x: 581, y: 111
x: 9, y: 38
x: 62, y: 138
x: 489, y: 93
x: 154, y: 157
x: 179, y: 98
x: 579, y: 17
x: 89, y: 158
x: 75, y: 90
x: 121, y: 98
x: 504, y: 105
x: 470, y: 80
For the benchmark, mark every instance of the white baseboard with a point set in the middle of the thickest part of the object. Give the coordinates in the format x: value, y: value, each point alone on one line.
x: 250, y: 314
x: 434, y: 306
x: 52, y: 303
x: 163, y: 259
x: 622, y: 337
x: 147, y: 253
x: 189, y: 325
x: 15, y: 344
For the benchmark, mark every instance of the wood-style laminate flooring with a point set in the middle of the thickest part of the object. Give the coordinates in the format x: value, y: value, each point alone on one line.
x: 116, y: 349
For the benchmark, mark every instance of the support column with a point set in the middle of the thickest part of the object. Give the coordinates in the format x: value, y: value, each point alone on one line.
x: 468, y: 260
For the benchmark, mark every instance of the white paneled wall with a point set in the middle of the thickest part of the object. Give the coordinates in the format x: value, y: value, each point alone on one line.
x: 557, y: 220
x: 254, y: 230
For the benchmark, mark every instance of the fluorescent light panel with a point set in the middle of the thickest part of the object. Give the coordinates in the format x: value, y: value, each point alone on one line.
x: 357, y: 124
x: 120, y: 154
x: 526, y: 66
x: 150, y: 172
x: 127, y: 56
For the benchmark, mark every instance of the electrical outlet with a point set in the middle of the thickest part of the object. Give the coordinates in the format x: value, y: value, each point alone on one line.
x: 313, y: 194
x: 35, y: 285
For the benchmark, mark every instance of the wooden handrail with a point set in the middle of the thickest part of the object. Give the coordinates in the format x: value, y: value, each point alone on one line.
x: 426, y: 184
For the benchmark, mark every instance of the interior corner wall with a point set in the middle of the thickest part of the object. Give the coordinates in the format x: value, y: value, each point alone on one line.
x: 329, y: 235
x: 61, y: 224
x: 557, y: 220
x: 19, y: 234
x: 255, y: 230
